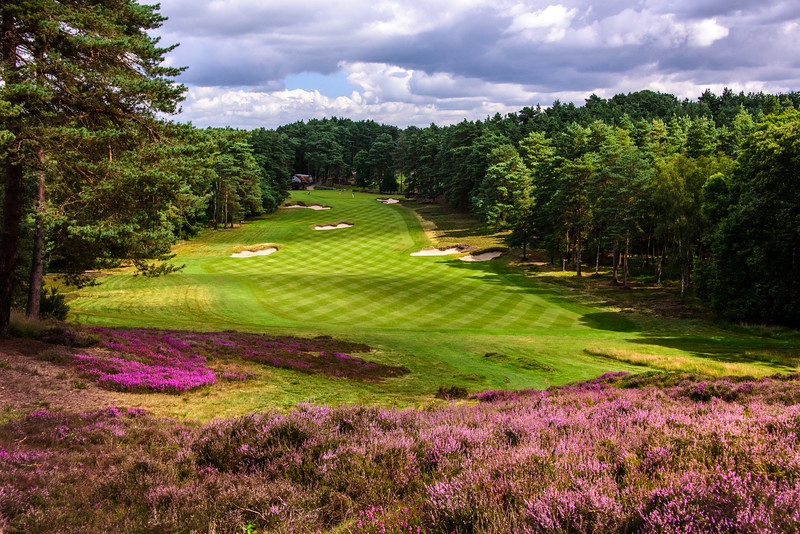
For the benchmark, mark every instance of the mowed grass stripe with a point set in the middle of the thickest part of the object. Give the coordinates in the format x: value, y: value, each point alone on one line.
x: 361, y: 276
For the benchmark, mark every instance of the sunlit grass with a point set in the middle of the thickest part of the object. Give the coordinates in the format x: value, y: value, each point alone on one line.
x: 672, y: 362
x: 437, y: 316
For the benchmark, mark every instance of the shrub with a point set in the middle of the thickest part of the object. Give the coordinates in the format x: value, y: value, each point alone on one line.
x: 453, y: 392
x: 52, y: 305
x: 68, y: 336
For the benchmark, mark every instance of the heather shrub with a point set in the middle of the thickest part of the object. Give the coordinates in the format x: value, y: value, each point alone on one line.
x: 587, y: 457
x: 721, y: 500
x: 376, y: 520
x: 181, y: 358
x: 68, y: 336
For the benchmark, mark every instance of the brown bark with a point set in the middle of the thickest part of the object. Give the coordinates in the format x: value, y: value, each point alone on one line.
x: 597, y: 260
x: 37, y: 266
x: 13, y: 192
x: 225, y: 220
x: 9, y: 240
x: 625, y: 259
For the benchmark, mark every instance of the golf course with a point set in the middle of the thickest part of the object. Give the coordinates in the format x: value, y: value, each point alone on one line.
x: 478, y: 325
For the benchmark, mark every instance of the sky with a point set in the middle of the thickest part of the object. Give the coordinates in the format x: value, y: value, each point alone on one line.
x: 264, y: 63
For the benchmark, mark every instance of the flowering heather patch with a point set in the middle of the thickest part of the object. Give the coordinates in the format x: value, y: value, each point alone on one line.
x: 160, y: 374
x: 145, y: 364
x: 622, y: 454
x: 146, y: 360
x: 190, y: 350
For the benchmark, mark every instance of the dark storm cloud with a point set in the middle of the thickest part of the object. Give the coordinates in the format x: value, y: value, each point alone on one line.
x: 451, y: 53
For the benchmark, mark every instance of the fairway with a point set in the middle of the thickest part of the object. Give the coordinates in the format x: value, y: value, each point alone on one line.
x: 475, y: 324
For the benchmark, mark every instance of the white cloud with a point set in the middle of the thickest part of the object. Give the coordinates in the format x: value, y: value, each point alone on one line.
x: 630, y: 27
x: 706, y: 32
x: 549, y: 24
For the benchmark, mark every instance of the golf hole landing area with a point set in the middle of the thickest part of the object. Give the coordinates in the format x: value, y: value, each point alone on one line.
x: 332, y: 226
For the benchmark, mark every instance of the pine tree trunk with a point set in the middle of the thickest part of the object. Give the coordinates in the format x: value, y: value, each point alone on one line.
x: 216, y: 208
x: 625, y: 259
x: 578, y: 257
x: 37, y: 266
x: 225, y: 220
x: 13, y: 193
x: 597, y: 260
x: 9, y: 240
x: 615, y: 262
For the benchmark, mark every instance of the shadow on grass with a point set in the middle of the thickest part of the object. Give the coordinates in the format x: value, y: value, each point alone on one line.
x: 497, y: 274
x: 610, y: 321
x: 727, y: 347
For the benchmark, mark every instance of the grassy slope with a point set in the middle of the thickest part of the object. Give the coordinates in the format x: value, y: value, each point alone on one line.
x: 436, y: 315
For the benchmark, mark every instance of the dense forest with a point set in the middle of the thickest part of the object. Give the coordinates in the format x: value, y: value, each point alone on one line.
x: 703, y: 191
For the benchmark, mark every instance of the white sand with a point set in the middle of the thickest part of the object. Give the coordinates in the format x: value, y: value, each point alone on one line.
x: 388, y: 200
x: 332, y: 226
x: 311, y: 207
x: 486, y: 256
x: 437, y: 252
x: 250, y: 253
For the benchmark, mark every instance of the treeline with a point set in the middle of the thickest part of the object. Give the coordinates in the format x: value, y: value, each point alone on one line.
x: 641, y: 180
x: 92, y: 175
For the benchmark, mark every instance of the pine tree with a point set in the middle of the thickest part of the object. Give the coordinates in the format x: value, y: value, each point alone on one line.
x: 84, y: 66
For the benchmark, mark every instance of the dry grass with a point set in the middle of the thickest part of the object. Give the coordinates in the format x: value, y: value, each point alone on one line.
x: 673, y: 362
x: 447, y: 226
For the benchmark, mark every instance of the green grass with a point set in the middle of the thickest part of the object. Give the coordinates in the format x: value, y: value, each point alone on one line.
x: 438, y: 316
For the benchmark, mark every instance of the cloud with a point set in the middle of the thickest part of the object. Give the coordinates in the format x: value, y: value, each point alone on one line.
x: 548, y: 24
x: 415, y: 62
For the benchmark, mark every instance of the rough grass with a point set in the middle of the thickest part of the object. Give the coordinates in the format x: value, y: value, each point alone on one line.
x: 680, y: 363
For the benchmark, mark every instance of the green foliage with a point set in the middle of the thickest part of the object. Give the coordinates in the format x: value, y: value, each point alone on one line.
x: 83, y: 83
x: 154, y: 269
x: 52, y: 305
x: 363, y: 170
x: 507, y: 181
x: 754, y: 273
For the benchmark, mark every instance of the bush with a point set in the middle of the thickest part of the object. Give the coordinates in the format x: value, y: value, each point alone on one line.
x: 68, y: 337
x: 453, y: 392
x: 52, y: 305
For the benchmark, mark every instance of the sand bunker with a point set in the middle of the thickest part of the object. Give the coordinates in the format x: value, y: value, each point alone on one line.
x: 251, y: 253
x: 311, y: 207
x: 486, y: 256
x: 387, y: 200
x: 437, y: 252
x: 332, y: 226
